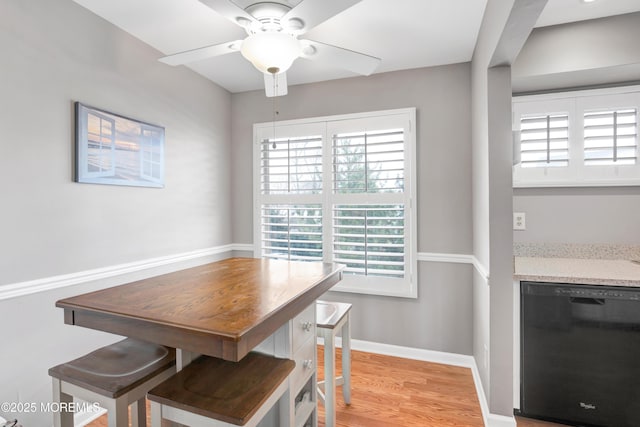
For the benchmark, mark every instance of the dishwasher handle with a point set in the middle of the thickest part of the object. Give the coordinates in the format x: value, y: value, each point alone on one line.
x: 587, y: 301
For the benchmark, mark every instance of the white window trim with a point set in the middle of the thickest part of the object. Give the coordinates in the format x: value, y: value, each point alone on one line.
x: 575, y: 103
x: 371, y: 284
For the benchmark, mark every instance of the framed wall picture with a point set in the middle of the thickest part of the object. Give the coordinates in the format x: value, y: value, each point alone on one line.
x: 116, y: 150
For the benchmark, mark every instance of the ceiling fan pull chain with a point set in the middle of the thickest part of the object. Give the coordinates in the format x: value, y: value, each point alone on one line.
x: 275, y: 91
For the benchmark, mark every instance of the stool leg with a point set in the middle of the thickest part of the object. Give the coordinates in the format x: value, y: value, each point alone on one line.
x: 61, y: 418
x: 156, y: 414
x: 346, y: 362
x: 118, y: 413
x: 139, y: 413
x: 329, y: 378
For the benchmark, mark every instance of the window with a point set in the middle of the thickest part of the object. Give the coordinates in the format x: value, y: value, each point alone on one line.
x: 340, y: 189
x: 581, y: 138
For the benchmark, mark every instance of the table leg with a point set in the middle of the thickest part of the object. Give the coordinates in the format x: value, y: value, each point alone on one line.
x: 184, y: 357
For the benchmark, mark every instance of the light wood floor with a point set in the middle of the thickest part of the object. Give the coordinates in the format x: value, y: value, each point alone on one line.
x: 393, y: 392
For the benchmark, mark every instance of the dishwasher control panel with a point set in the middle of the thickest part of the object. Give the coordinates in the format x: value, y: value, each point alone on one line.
x: 581, y: 291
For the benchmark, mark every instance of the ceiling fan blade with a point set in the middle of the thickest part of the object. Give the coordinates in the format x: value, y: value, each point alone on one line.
x: 202, y: 53
x: 231, y: 11
x: 275, y: 84
x: 338, y: 57
x: 310, y: 13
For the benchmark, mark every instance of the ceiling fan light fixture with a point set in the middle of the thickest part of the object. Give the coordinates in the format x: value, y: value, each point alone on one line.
x: 271, y: 53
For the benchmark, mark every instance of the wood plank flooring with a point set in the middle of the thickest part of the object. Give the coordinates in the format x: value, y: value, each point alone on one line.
x: 394, y: 392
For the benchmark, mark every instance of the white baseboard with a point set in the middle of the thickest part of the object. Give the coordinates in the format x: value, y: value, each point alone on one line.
x: 244, y: 247
x: 494, y: 420
x: 453, y: 359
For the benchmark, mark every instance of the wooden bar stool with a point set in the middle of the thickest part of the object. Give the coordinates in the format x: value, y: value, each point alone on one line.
x: 332, y: 317
x: 116, y: 376
x: 211, y: 392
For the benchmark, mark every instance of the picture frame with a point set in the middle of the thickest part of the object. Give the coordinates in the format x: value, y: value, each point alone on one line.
x: 116, y: 150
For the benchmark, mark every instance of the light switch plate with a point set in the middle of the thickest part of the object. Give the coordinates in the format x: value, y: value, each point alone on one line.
x: 519, y: 221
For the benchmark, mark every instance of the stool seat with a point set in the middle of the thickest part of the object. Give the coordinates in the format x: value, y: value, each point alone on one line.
x: 117, y: 368
x: 115, y: 376
x: 330, y: 314
x: 231, y: 392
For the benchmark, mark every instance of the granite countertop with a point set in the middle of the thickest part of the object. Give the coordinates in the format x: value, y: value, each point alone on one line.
x: 597, y: 264
x: 576, y: 270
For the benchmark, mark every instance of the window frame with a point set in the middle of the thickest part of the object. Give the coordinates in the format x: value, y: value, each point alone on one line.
x: 577, y: 173
x: 375, y: 285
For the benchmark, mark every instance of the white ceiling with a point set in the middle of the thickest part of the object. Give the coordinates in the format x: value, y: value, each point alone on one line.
x: 405, y: 34
x: 563, y: 11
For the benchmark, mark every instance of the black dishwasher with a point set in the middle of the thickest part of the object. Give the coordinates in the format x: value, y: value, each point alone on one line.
x: 580, y: 354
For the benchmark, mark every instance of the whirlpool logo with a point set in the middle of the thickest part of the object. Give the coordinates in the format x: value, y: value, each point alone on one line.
x: 587, y: 405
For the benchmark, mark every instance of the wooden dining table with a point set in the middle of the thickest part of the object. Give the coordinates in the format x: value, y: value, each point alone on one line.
x: 223, y: 309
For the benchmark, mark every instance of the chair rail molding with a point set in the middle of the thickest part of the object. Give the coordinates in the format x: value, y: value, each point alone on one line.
x: 456, y: 259
x: 15, y: 290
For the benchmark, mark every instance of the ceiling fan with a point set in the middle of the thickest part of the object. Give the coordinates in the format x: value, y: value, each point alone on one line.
x: 272, y: 43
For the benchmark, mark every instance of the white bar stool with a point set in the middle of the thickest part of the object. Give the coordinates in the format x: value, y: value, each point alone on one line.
x: 116, y: 376
x: 332, y: 317
x: 211, y: 392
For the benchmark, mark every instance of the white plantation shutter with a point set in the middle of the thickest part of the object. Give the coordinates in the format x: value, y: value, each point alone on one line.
x: 292, y: 232
x: 369, y: 239
x: 544, y: 140
x: 577, y: 139
x: 289, y: 189
x: 339, y: 189
x: 370, y: 162
x: 291, y: 165
x: 611, y: 137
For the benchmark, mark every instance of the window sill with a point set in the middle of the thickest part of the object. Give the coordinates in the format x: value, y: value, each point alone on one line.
x: 572, y: 183
x: 372, y: 288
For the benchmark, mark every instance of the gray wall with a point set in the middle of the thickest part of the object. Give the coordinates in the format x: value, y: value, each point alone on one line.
x: 440, y: 319
x: 54, y: 53
x: 579, y: 215
x: 598, y: 52
x: 594, y: 52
